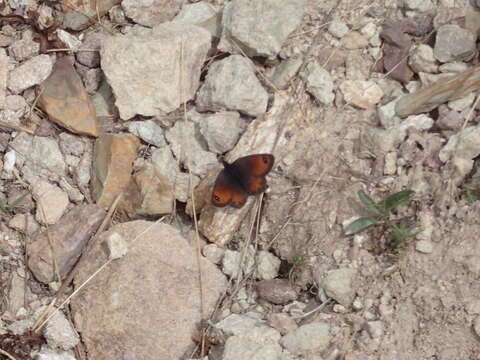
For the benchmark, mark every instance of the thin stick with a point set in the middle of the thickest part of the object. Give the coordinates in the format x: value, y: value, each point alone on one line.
x: 3, y: 352
x: 318, y: 308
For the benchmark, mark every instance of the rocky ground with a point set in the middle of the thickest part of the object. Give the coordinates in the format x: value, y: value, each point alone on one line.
x: 115, y: 117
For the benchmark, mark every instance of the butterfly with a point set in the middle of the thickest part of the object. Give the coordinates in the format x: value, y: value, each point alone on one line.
x: 245, y: 176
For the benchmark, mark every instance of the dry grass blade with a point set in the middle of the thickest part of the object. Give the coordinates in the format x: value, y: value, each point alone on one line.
x: 10, y: 357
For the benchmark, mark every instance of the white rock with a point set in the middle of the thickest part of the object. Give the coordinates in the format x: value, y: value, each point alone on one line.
x: 267, y: 265
x: 117, y: 246
x: 418, y: 5
x: 363, y: 94
x: 59, y: 333
x: 9, y: 161
x: 51, y: 202
x: 465, y: 144
x: 424, y: 246
x: 213, y: 252
x: 313, y: 336
x: 148, y: 131
x: 374, y: 329
x: 338, y: 28
x: 462, y: 103
x: 202, y: 14
x: 319, y: 83
x: 235, y: 324
x: 50, y: 354
x: 390, y: 167
x: 68, y: 39
x: 421, y: 59
x: 151, y: 85
x: 339, y: 285
x: 386, y: 114
x: 31, y: 72
x: 231, y: 84
x: 369, y: 30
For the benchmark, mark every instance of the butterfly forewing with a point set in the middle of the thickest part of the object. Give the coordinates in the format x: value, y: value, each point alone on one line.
x: 227, y: 191
x: 251, y: 171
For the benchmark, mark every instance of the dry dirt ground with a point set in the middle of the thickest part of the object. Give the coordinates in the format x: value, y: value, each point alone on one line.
x: 427, y: 303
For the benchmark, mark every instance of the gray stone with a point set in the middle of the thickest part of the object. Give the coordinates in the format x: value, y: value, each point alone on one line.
x: 386, y: 114
x: 71, y: 144
x: 258, y: 343
x: 374, y: 329
x: 162, y: 265
x: 213, y: 253
x: 276, y: 291
x: 267, y: 265
x: 424, y: 246
x: 338, y: 28
x: 221, y: 130
x: 46, y: 353
x: 150, y: 85
x: 202, y: 14
x: 282, y: 322
x: 465, y: 145
x: 31, y: 72
x: 421, y: 59
x: 454, y: 43
x: 319, y: 83
x: 259, y: 27
x: 231, y: 262
x: 231, y: 84
x: 462, y: 103
x: 59, y: 333
x: 71, y: 41
x: 363, y: 94
x: 148, y: 131
x: 24, y: 48
x: 418, y: 5
x: 51, y: 202
x: 151, y: 12
x: 89, y: 51
x: 315, y: 336
x: 340, y: 285
x: 189, y: 151
x: 453, y: 67
x: 117, y: 246
x: 285, y: 72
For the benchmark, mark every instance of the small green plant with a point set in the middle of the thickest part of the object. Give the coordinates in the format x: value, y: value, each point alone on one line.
x: 8, y: 208
x: 381, y: 215
x: 297, y: 261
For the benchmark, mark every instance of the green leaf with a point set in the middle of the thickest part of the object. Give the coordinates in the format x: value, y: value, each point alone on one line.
x: 368, y: 202
x: 3, y: 207
x: 400, y: 234
x: 398, y: 199
x: 359, y: 225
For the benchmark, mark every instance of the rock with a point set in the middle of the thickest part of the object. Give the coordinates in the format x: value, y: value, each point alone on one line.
x: 396, y: 49
x: 453, y: 67
x: 50, y: 354
x: 424, y: 246
x: 69, y: 236
x: 71, y: 144
x: 24, y: 223
x: 267, y: 265
x: 16, y: 292
x: 421, y: 59
x: 213, y: 253
x: 51, y: 202
x: 356, y: 67
x: 151, y: 12
x: 319, y: 83
x: 39, y: 156
x: 68, y: 39
x: 285, y: 72
x: 231, y: 262
x: 259, y: 343
x: 339, y: 285
x: 79, y: 16
x: 354, y: 40
x: 476, y: 326
x: 282, y: 322
x: 112, y: 166
x: 202, y: 14
x: 25, y: 48
x: 104, y: 101
x: 187, y: 147
x: 4, y: 60
x: 386, y: 114
x: 169, y: 280
x: 59, y: 333
x: 31, y: 72
x: 236, y: 324
x: 15, y: 109
x: 9, y: 161
x: 390, y: 167
x: 374, y: 329
x: 150, y: 85
x: 66, y: 101
x: 418, y: 5
x: 465, y: 145
x: 258, y: 32
x: 338, y: 28
x: 452, y: 43
x: 83, y: 170
x: 117, y: 246
x: 221, y: 130
x: 276, y: 291
x: 89, y: 51
x: 462, y: 103
x: 148, y: 131
x: 363, y: 94
x: 223, y: 88
x: 314, y: 336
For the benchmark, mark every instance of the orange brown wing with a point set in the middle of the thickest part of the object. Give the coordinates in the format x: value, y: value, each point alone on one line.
x: 251, y: 171
x: 227, y: 191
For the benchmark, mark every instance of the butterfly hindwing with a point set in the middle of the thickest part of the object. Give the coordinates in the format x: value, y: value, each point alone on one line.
x: 251, y: 171
x: 227, y: 191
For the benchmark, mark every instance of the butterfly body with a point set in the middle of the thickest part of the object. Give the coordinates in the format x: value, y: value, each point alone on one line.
x: 245, y: 176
